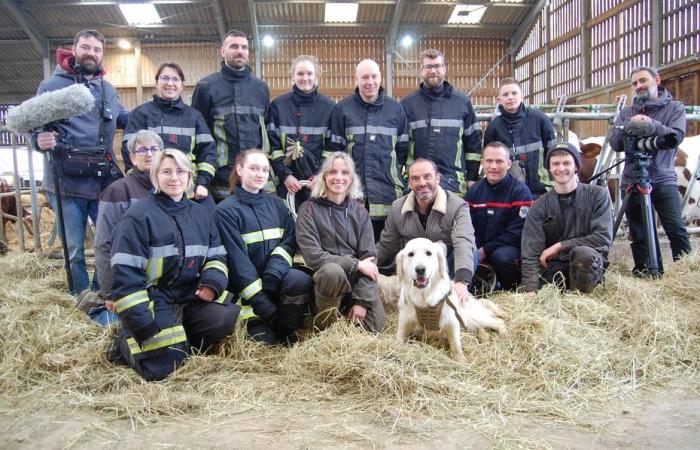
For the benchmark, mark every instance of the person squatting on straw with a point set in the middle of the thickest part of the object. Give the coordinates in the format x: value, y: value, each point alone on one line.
x: 336, y: 239
x: 257, y: 231
x: 169, y: 275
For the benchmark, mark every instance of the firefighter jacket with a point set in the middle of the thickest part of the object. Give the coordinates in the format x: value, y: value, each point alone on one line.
x: 529, y: 134
x: 304, y: 119
x: 375, y: 135
x: 442, y: 127
x: 257, y: 231
x: 180, y: 126
x: 498, y: 212
x: 234, y: 104
x: 162, y: 252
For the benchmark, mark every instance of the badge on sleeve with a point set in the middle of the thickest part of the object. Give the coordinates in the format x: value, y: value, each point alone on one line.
x: 523, y: 211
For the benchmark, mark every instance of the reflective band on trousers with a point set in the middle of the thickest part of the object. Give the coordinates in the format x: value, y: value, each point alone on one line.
x: 166, y: 338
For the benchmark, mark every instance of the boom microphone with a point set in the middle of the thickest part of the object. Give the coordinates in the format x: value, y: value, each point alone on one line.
x: 639, y: 128
x: 50, y: 107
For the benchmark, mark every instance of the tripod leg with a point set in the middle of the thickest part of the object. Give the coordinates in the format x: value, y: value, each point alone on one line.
x: 620, y: 213
x: 650, y: 234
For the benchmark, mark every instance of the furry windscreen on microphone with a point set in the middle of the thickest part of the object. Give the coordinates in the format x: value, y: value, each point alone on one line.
x: 640, y: 128
x: 49, y: 107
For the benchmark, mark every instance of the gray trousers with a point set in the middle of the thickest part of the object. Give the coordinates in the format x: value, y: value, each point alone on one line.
x: 333, y: 284
x: 583, y: 271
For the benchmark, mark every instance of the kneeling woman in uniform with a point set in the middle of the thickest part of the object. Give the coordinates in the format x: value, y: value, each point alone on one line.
x: 258, y: 232
x: 170, y: 274
x: 335, y: 237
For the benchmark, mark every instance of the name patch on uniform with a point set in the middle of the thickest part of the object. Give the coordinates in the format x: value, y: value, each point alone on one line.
x: 372, y: 137
x: 490, y: 212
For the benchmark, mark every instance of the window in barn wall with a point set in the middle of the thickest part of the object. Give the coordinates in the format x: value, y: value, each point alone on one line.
x: 539, y: 94
x: 603, y: 52
x: 564, y: 16
x: 565, y: 76
x: 522, y: 74
x: 533, y: 42
x: 635, y: 37
x: 680, y: 29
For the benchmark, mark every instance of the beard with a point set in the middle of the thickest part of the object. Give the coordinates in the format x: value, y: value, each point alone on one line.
x: 87, y: 66
x: 650, y: 93
x: 236, y: 63
x: 434, y: 82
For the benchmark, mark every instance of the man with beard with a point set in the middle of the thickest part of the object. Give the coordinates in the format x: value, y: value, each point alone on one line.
x: 431, y: 212
x: 442, y: 126
x: 654, y: 104
x: 92, y: 132
x: 371, y: 128
x: 527, y: 132
x: 234, y: 103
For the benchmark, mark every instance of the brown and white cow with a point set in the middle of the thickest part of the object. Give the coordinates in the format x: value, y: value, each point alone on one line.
x: 9, y: 206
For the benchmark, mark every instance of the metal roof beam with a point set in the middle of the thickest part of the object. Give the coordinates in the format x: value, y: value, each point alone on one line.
x: 395, y: 21
x: 219, y: 14
x: 256, y: 36
x: 28, y: 26
x: 525, y: 25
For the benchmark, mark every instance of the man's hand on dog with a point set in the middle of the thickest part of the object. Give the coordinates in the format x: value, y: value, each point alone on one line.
x: 368, y: 268
x: 550, y: 253
x: 357, y: 313
x: 461, y: 288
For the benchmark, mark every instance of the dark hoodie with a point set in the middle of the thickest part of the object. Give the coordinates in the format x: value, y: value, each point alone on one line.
x: 668, y: 117
x: 82, y: 131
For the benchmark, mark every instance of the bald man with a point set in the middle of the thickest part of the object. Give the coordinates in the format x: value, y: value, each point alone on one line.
x: 372, y: 128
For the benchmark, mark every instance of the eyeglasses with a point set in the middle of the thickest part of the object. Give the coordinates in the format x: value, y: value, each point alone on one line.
x: 143, y: 150
x: 181, y: 173
x: 430, y: 67
x: 167, y: 79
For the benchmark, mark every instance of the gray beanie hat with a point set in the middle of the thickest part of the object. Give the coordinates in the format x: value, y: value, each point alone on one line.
x: 567, y: 147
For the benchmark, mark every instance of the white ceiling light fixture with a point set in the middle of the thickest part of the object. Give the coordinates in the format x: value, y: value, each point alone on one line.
x: 124, y: 44
x: 341, y: 12
x: 467, y: 14
x: 268, y: 41
x: 407, y: 41
x: 139, y: 13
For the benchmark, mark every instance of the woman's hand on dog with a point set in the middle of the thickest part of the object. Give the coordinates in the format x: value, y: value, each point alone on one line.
x: 368, y: 268
x: 357, y: 313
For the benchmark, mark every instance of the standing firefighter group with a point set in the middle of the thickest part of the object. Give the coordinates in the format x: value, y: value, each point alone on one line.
x: 194, y: 238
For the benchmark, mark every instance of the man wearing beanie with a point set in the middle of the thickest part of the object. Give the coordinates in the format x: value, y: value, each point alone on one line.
x: 568, y: 230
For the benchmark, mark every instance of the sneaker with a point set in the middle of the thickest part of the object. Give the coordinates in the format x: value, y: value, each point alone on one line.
x: 89, y: 299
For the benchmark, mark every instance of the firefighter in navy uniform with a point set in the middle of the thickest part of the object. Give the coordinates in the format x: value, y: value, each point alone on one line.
x: 179, y: 125
x: 297, y: 127
x: 234, y: 103
x: 257, y: 231
x: 170, y: 275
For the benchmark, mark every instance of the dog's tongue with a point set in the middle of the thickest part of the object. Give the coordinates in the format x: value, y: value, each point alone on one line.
x: 420, y: 282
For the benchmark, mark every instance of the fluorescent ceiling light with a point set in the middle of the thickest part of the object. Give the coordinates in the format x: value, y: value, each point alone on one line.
x: 268, y: 41
x: 341, y: 12
x: 407, y: 41
x: 124, y: 44
x: 467, y: 14
x: 139, y: 13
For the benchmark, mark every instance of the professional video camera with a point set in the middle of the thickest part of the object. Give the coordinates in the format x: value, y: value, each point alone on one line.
x: 641, y: 136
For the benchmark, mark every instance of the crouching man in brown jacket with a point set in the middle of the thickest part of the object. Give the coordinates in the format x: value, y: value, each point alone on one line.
x: 335, y: 237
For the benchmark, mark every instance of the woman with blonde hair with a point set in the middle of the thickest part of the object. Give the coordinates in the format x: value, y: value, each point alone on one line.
x: 297, y: 126
x: 257, y: 231
x: 169, y: 274
x: 336, y: 239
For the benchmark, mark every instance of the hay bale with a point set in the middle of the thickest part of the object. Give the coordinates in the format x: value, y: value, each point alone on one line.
x: 567, y: 355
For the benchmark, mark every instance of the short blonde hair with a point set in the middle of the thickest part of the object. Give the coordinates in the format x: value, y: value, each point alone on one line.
x: 181, y: 161
x: 355, y: 190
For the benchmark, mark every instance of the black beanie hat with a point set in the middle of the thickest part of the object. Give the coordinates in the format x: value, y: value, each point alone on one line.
x: 569, y: 148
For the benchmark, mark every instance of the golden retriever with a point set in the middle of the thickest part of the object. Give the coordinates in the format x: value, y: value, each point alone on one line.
x: 426, y: 293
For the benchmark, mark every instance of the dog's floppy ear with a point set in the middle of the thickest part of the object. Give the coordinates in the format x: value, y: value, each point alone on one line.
x: 441, y: 250
x: 400, y: 272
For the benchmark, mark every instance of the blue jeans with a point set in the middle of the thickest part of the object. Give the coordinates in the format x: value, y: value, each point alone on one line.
x: 75, y: 214
x: 667, y: 203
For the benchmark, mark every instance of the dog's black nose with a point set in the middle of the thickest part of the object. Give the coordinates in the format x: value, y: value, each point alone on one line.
x: 420, y: 271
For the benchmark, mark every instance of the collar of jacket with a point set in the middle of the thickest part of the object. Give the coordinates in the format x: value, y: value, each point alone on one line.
x: 655, y: 104
x: 439, y: 205
x: 66, y: 61
x: 496, y: 186
x: 164, y: 104
x: 170, y: 206
x: 248, y: 197
x: 444, y: 90
x: 304, y: 98
x: 232, y: 74
x: 325, y: 202
x: 364, y: 104
x: 143, y: 178
x: 513, y: 117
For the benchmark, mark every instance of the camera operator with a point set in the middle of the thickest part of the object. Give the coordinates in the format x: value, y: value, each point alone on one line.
x: 81, y: 147
x: 654, y: 109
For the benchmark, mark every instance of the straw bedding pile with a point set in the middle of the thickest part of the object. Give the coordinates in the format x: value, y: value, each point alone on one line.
x: 566, y: 356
